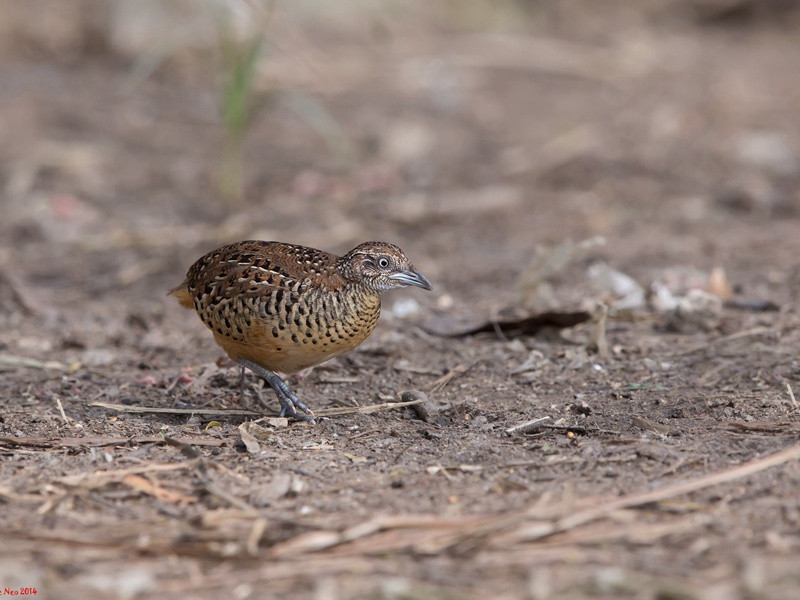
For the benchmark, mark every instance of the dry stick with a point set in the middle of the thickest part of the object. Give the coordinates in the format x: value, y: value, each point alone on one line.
x: 727, y: 338
x: 649, y: 425
x: 770, y: 427
x: 583, y: 429
x: 185, y: 448
x: 605, y: 533
x: 177, y: 411
x: 448, y: 377
x: 61, y: 409
x: 372, y: 530
x: 364, y: 410
x: 495, y: 321
x: 154, y: 489
x: 23, y: 361
x: 482, y: 525
x: 94, y: 441
x: 367, y: 432
x: 791, y: 395
x: 511, y: 528
x: 527, y: 426
x: 213, y: 489
x: 256, y: 533
x: 507, y: 528
x: 250, y: 413
x: 208, y: 485
x: 336, y: 380
x: 579, y: 518
x: 102, y: 477
x: 673, y: 468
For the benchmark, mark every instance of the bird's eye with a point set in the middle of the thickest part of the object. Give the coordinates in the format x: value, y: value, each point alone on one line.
x: 383, y: 262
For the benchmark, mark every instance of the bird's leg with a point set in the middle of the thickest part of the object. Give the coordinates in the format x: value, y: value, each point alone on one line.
x: 242, y: 382
x: 289, y: 402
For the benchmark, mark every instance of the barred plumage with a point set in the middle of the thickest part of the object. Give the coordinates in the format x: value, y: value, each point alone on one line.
x: 282, y: 307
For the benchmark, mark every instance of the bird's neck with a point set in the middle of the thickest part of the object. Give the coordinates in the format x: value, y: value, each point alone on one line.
x: 362, y: 296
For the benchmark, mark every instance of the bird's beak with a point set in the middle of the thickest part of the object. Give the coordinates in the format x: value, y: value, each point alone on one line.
x: 412, y: 277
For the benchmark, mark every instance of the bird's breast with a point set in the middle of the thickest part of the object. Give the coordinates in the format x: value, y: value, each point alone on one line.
x: 289, y: 330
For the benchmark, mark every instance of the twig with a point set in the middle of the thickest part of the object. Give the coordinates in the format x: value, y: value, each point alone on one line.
x: 448, y: 377
x: 723, y: 340
x: 649, y: 425
x: 582, y: 429
x: 606, y: 532
x: 215, y: 490
x: 770, y: 427
x: 185, y: 448
x: 61, y: 409
x: 335, y: 380
x: 150, y: 488
x: 364, y: 410
x: 23, y: 361
x: 539, y: 530
x: 493, y: 319
x: 177, y: 411
x: 791, y: 394
x: 527, y: 426
x: 71, y: 442
x: 315, y: 541
x: 256, y: 533
x: 329, y: 412
x: 673, y: 468
x: 101, y: 477
x: 523, y: 526
x: 367, y: 432
x: 429, y: 534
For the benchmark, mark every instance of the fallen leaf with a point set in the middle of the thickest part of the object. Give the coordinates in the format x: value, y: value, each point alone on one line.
x: 278, y: 487
x: 248, y: 439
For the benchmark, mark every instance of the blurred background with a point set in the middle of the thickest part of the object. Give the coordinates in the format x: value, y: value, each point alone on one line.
x: 139, y: 134
x: 528, y: 155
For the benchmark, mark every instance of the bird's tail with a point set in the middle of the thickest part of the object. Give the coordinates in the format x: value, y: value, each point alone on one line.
x: 181, y: 292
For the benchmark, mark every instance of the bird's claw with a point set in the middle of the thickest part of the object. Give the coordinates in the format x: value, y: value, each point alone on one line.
x: 289, y: 402
x: 291, y: 406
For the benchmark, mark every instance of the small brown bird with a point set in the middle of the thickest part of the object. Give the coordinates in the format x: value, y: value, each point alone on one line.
x: 276, y: 307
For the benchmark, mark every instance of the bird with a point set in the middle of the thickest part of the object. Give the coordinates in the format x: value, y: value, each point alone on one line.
x: 275, y: 307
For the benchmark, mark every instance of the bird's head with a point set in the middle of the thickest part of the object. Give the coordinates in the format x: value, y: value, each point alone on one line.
x: 381, y: 266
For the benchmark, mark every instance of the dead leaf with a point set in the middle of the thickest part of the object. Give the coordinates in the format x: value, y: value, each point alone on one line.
x: 278, y: 487
x: 248, y: 439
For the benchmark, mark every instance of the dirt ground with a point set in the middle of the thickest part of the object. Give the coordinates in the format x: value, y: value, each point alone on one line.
x: 512, y: 150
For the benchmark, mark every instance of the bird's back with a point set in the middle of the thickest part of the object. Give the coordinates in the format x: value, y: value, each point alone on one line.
x: 283, y: 306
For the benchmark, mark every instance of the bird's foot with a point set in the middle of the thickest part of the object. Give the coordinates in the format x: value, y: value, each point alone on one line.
x: 291, y: 406
x: 289, y: 402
